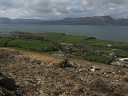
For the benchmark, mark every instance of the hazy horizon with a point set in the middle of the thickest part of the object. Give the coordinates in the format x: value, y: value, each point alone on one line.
x: 63, y: 18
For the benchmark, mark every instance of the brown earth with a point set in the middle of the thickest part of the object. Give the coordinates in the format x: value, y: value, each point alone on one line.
x: 39, y: 74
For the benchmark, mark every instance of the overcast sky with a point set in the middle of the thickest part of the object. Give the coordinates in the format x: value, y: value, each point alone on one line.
x: 56, y: 9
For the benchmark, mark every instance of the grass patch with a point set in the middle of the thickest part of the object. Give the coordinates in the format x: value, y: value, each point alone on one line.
x: 89, y: 48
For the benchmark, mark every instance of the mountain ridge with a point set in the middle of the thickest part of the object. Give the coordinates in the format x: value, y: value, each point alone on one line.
x: 95, y: 20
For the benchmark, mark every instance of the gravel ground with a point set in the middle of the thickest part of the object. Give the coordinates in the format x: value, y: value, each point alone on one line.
x: 76, y: 78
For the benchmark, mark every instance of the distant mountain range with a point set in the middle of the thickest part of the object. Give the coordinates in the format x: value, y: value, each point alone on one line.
x: 95, y: 20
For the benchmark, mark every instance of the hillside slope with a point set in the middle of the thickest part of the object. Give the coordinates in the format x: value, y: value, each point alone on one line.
x: 36, y: 77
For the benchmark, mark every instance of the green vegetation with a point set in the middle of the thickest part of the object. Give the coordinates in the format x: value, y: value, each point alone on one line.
x: 88, y: 48
x: 34, y: 45
x: 62, y: 37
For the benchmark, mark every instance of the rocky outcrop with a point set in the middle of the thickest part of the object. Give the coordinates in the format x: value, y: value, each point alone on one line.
x: 7, y: 86
x: 7, y: 83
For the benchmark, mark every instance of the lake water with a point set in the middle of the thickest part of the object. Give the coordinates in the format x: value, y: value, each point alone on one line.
x: 115, y: 33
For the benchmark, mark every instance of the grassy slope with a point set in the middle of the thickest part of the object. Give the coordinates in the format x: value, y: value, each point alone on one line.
x: 96, y: 50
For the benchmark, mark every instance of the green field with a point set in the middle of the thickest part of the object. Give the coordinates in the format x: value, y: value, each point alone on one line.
x: 85, y: 47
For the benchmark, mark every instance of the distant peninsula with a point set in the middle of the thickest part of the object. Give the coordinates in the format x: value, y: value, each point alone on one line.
x: 95, y: 20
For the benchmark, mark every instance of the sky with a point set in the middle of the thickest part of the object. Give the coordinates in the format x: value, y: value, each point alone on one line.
x: 57, y: 9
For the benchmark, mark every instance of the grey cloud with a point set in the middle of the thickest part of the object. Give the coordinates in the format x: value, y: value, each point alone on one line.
x: 54, y: 9
x: 106, y: 7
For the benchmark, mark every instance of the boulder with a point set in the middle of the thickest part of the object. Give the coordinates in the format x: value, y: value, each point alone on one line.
x: 7, y: 83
